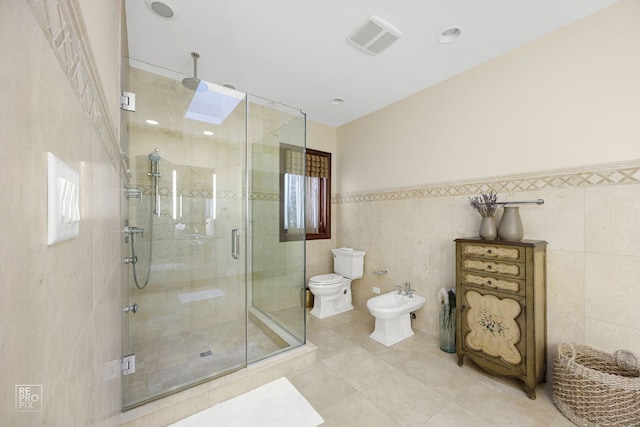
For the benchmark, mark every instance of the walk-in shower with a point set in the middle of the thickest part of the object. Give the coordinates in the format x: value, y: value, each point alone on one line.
x: 215, y: 289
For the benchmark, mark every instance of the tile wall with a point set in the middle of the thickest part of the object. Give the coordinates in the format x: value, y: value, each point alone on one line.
x: 590, y: 219
x: 60, y: 306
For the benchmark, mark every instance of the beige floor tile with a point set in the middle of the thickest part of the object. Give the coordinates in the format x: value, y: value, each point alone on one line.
x: 412, y: 383
x: 406, y: 400
x: 504, y: 404
x: 321, y: 386
x: 357, y: 366
x: 356, y: 411
x: 329, y: 343
x: 455, y: 415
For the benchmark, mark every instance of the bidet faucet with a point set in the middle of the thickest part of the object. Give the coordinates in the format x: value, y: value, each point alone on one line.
x: 408, y: 290
x: 399, y: 289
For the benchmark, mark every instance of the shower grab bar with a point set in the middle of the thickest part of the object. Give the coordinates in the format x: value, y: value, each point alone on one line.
x: 235, y: 243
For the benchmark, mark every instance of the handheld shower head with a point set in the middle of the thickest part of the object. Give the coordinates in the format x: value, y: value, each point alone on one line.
x: 155, y: 156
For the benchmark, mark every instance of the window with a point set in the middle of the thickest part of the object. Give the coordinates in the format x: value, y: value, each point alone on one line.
x: 305, y: 188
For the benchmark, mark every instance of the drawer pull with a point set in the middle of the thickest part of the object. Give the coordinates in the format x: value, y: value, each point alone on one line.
x: 489, y: 251
x: 488, y: 282
x: 489, y: 267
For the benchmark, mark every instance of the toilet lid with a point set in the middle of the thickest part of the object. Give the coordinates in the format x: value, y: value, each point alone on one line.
x: 326, y: 279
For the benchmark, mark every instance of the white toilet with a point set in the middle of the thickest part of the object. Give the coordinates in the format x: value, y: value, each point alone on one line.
x: 332, y: 292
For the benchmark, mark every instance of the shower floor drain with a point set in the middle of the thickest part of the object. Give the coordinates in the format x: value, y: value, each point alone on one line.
x: 206, y: 353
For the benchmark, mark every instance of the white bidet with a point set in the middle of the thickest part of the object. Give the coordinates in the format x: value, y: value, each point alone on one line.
x: 392, y: 312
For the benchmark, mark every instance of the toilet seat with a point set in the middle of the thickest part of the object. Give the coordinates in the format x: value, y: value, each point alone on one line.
x: 326, y: 279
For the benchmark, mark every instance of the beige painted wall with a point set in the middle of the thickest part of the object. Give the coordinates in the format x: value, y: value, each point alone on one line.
x: 540, y: 118
x: 567, y: 99
x: 319, y: 257
x: 60, y: 307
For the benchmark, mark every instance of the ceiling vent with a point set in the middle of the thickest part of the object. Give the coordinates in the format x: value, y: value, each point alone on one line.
x: 374, y: 36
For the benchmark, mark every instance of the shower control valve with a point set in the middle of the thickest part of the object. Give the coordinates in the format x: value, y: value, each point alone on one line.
x: 133, y: 230
x: 131, y: 260
x: 131, y: 308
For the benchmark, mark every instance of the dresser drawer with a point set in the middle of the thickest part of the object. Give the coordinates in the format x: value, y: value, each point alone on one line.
x: 505, y: 269
x: 498, y: 283
x: 497, y: 252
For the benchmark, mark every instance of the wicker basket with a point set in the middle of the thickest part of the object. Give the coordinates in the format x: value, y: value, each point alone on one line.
x: 592, y: 388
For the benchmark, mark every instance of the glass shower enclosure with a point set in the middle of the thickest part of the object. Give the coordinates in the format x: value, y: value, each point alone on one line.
x: 211, y: 288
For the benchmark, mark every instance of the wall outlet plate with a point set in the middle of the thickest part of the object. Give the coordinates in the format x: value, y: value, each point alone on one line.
x: 376, y: 290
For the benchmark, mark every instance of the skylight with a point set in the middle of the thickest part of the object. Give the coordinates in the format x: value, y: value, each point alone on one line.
x: 212, y: 103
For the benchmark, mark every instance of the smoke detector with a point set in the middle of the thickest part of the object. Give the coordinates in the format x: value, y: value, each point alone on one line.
x: 374, y: 36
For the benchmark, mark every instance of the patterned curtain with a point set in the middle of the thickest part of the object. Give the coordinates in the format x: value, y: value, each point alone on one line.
x: 303, y: 177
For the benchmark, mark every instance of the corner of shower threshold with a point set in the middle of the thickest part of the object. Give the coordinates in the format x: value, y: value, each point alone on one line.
x: 182, y: 404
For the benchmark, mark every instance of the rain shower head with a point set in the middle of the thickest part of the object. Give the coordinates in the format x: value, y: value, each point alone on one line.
x: 192, y: 83
x: 155, y: 156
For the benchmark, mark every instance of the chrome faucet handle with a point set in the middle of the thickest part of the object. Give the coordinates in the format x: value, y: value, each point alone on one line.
x: 409, y: 290
x: 399, y: 289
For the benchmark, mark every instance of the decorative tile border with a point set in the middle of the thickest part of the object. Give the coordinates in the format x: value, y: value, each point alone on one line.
x: 205, y: 193
x: 63, y: 27
x: 593, y: 176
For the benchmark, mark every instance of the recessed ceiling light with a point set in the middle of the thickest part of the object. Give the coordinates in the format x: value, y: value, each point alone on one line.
x: 162, y: 8
x: 337, y: 101
x: 208, y: 132
x: 449, y: 35
x: 152, y: 122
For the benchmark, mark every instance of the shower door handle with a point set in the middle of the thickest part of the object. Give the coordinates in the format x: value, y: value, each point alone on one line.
x: 235, y: 243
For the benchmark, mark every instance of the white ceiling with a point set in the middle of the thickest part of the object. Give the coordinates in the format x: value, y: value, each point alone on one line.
x: 295, y: 51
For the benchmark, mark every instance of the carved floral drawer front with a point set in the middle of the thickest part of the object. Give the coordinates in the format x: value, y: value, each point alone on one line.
x: 492, y: 282
x: 493, y: 328
x: 497, y: 252
x: 514, y: 270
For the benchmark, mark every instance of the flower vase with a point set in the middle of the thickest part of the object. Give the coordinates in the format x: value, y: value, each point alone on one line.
x: 488, y: 228
x: 511, y: 225
x: 447, y: 321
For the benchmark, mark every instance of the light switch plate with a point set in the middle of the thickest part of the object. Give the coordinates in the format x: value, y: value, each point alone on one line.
x: 63, y: 185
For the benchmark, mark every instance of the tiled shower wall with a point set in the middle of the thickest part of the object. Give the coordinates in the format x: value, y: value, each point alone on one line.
x: 590, y: 219
x: 60, y: 311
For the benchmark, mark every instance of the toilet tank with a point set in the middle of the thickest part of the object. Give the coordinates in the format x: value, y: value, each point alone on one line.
x: 348, y: 262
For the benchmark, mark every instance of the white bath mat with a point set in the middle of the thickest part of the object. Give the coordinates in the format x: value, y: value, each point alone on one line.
x: 200, y: 295
x: 276, y: 404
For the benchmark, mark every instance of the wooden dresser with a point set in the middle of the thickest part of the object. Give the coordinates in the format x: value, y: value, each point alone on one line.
x: 501, y: 294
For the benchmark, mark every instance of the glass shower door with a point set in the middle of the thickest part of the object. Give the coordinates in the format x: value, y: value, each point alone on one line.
x: 188, y: 230
x: 277, y: 273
